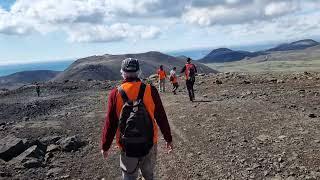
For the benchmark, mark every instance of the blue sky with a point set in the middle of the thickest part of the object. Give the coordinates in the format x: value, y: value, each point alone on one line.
x: 39, y: 30
x: 6, y: 4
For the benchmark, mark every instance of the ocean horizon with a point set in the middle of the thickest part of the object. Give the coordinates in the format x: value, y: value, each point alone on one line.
x: 51, y: 65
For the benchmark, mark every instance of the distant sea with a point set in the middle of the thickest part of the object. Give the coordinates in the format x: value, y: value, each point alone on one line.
x: 54, y: 66
x: 194, y: 54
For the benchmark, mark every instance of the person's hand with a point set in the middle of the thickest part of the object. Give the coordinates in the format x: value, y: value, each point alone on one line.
x: 169, y: 147
x: 104, y: 154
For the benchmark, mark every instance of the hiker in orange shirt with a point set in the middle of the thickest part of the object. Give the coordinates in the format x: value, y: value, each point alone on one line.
x: 190, y: 71
x: 134, y: 114
x: 162, y: 79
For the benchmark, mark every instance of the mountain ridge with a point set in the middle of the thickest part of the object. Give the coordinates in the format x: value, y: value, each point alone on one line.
x: 296, y: 45
x: 108, y: 66
x: 221, y: 55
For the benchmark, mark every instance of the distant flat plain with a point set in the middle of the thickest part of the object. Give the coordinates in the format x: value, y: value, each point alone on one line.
x: 267, y: 66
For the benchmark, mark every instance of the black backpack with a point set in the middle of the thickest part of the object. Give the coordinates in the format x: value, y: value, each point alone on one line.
x: 136, y: 126
x: 192, y: 73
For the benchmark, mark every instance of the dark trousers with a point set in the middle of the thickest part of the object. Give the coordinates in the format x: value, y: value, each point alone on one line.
x: 175, y: 87
x: 190, y: 83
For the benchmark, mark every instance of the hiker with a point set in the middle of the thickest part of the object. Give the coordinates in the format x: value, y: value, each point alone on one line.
x: 174, y: 80
x: 38, y: 89
x: 134, y: 112
x: 162, y: 79
x: 190, y: 71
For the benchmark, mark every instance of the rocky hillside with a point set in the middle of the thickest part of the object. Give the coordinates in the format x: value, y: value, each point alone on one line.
x: 241, y: 126
x: 108, y: 66
x: 292, y: 51
x: 26, y: 77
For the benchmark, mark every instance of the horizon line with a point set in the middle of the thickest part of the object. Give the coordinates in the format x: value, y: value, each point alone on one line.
x: 162, y: 51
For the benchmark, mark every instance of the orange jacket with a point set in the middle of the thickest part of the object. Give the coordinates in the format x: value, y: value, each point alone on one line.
x: 162, y: 74
x: 175, y: 79
x: 186, y: 69
x: 174, y: 76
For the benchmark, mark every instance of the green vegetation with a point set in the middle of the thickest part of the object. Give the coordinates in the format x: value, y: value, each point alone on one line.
x: 266, y: 66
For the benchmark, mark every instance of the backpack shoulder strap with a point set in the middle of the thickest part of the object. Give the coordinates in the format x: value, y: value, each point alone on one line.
x: 141, y: 91
x: 123, y: 94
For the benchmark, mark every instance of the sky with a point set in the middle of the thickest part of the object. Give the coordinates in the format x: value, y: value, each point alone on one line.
x: 42, y: 30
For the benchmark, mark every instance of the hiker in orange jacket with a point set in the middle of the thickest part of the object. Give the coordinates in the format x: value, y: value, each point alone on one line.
x: 132, y: 103
x: 190, y: 71
x: 162, y: 79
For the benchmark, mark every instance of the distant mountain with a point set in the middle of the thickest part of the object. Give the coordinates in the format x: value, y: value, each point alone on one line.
x: 192, y: 53
x: 297, y: 45
x: 311, y: 53
x: 226, y: 55
x: 26, y: 77
x: 291, y: 51
x: 107, y: 67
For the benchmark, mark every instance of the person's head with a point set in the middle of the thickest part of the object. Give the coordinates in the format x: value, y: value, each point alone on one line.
x: 130, y: 68
x: 188, y: 60
x: 174, y: 68
x: 161, y: 67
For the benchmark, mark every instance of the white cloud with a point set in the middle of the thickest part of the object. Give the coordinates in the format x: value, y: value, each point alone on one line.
x: 287, y: 28
x: 10, y: 24
x: 147, y: 8
x: 60, y: 11
x: 280, y: 8
x: 82, y: 20
x: 219, y: 15
x: 209, y: 13
x: 116, y: 20
x: 115, y: 32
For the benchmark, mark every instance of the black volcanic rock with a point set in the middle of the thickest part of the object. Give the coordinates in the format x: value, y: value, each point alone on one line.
x: 297, y: 45
x: 107, y: 67
x: 10, y: 147
x: 32, y: 152
x: 72, y: 143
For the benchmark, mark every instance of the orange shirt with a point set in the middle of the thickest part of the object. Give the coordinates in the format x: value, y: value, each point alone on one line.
x: 173, y: 74
x: 175, y: 80
x: 162, y: 74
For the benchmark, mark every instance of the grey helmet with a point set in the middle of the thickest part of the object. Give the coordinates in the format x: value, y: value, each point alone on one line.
x: 130, y: 65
